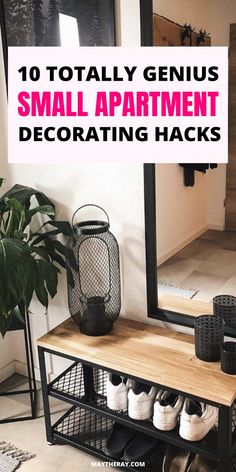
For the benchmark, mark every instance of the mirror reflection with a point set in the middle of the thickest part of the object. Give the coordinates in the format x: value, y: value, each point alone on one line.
x: 59, y: 23
x: 196, y: 235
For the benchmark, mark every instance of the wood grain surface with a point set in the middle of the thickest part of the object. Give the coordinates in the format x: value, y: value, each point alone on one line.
x: 168, y: 33
x: 158, y: 355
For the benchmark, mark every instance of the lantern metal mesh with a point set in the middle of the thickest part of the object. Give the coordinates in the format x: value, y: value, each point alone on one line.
x: 93, y: 276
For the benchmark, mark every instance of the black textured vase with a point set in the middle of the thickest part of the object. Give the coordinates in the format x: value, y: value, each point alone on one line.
x: 209, y: 336
x: 225, y: 307
x: 228, y: 358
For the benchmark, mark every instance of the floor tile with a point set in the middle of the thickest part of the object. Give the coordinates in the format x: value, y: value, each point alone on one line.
x: 223, y: 256
x: 176, y: 270
x: 198, y: 249
x: 200, y: 281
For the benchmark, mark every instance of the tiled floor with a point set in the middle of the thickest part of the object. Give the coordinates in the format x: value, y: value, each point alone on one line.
x: 30, y: 435
x: 207, y: 265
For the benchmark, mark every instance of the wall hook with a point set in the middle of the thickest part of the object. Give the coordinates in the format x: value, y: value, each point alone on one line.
x: 187, y: 33
x: 202, y: 36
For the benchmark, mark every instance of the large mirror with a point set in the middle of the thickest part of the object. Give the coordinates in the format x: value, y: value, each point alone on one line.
x: 190, y: 210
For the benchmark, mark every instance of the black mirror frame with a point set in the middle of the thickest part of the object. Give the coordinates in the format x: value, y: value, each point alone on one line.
x: 4, y: 37
x: 151, y: 254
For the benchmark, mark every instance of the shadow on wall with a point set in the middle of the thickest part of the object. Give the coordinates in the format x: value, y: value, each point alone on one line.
x: 132, y: 255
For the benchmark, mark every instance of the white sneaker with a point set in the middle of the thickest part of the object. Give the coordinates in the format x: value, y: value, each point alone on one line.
x: 167, y: 407
x: 140, y: 404
x: 196, y: 420
x: 117, y: 392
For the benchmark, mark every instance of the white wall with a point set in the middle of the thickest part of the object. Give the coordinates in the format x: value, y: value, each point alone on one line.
x: 203, y: 205
x: 181, y: 211
x: 118, y: 189
x: 7, y: 354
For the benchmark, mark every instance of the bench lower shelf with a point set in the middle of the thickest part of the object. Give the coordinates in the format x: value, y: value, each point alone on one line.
x: 89, y: 432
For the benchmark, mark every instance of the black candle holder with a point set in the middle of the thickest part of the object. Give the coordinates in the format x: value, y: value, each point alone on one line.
x: 209, y: 336
x: 93, y: 275
x: 228, y: 357
x: 224, y: 306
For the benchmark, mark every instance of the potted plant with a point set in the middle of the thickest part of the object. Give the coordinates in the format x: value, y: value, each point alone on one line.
x: 30, y: 253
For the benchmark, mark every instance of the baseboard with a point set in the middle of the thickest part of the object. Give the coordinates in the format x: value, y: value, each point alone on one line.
x: 181, y: 246
x: 7, y: 371
x: 21, y: 368
x: 217, y: 227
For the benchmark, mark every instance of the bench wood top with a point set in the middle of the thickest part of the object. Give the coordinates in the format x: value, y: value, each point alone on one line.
x: 155, y: 354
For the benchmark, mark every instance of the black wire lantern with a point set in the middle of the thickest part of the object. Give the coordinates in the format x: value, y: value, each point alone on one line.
x: 93, y: 276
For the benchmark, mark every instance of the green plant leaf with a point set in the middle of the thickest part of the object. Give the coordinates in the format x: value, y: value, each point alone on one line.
x: 41, y: 251
x: 39, y: 287
x: 16, y: 216
x: 61, y: 248
x: 70, y: 257
x: 59, y: 259
x: 28, y: 261
x: 70, y: 278
x: 63, y: 226
x: 44, y: 210
x: 16, y: 312
x: 39, y: 237
x: 14, y: 269
x: 50, y: 275
x: 24, y: 194
x: 5, y: 323
x: 29, y: 290
x: 2, y: 180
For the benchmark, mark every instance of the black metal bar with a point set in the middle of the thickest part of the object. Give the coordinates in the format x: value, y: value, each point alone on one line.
x: 150, y: 237
x: 15, y: 420
x: 88, y: 383
x: 30, y: 350
x: 29, y: 369
x: 224, y: 448
x: 4, y: 38
x: 32, y: 381
x: 46, y: 405
x: 146, y: 12
x: 16, y: 392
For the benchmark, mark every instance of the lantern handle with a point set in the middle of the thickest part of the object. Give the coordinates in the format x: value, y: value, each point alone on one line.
x: 91, y: 205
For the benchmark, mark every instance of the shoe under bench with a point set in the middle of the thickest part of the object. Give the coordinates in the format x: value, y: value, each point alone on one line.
x: 157, y: 356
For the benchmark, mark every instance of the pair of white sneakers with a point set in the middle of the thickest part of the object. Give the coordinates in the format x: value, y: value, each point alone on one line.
x: 144, y: 402
x: 196, y: 418
x: 126, y: 395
